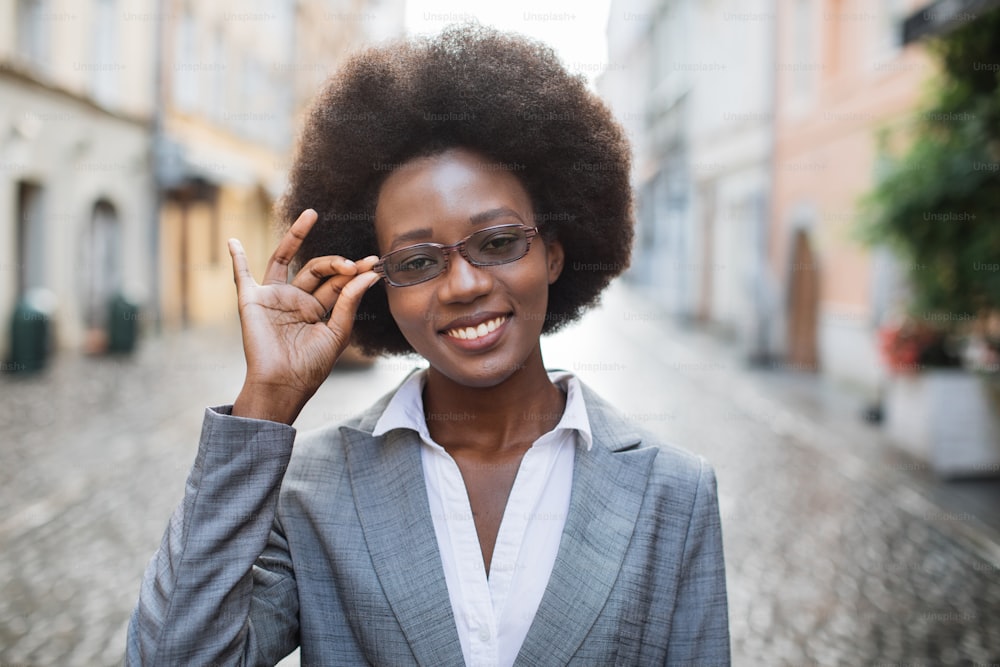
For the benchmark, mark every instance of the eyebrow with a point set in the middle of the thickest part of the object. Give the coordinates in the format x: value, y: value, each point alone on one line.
x: 493, y: 214
x: 479, y: 218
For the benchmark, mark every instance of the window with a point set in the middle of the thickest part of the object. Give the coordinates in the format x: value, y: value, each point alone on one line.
x: 803, y: 62
x: 218, y: 75
x: 30, y: 237
x: 186, y: 65
x: 890, y: 15
x: 32, y: 37
x: 100, y: 264
x: 836, y: 27
x: 105, y: 71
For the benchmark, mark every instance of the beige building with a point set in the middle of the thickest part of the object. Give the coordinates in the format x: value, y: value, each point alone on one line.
x: 235, y: 82
x: 843, y: 75
x: 75, y: 168
x: 112, y: 110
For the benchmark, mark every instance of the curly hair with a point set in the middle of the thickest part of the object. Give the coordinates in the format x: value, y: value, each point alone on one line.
x: 502, y: 95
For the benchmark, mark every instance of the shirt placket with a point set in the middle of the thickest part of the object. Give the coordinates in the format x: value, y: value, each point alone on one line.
x: 480, y: 619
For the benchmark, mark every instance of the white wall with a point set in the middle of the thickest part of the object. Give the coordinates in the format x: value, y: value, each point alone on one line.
x: 79, y: 155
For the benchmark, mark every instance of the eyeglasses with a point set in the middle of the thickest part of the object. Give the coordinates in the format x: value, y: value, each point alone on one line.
x: 487, y: 247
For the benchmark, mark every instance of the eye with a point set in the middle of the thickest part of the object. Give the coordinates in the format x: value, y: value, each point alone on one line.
x: 499, y: 242
x: 415, y: 263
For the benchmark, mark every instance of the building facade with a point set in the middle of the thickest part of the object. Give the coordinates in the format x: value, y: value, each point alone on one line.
x: 843, y: 76
x: 693, y: 84
x: 136, y: 136
x: 75, y: 171
x: 235, y: 84
x: 756, y: 129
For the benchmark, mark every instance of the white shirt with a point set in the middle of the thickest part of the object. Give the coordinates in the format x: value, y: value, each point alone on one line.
x: 490, y: 629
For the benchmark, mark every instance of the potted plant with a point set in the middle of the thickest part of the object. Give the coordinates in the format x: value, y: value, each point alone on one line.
x: 937, y: 205
x: 938, y: 406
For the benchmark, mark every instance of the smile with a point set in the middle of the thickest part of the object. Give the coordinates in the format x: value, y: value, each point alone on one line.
x: 472, y: 333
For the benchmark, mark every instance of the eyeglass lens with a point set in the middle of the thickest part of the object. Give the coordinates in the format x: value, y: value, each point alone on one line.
x: 487, y: 247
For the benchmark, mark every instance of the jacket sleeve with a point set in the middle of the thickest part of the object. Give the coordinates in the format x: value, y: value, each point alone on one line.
x: 220, y: 589
x: 700, y: 629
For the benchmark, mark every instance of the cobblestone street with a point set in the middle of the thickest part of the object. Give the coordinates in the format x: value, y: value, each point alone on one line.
x: 836, y: 554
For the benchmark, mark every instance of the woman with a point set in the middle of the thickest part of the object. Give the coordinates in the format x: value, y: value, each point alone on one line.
x: 487, y: 511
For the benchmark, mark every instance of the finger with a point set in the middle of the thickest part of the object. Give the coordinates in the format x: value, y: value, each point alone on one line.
x: 241, y: 266
x: 319, y: 269
x: 277, y: 265
x: 342, y: 318
x: 367, y: 263
x: 328, y: 293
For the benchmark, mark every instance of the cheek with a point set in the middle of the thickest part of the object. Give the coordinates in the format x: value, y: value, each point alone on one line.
x: 407, y: 309
x: 532, y: 289
x: 397, y: 305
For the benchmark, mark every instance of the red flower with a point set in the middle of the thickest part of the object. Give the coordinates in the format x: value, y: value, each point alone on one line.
x: 902, y: 344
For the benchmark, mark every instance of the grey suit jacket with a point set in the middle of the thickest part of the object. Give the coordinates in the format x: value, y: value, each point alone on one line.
x: 343, y: 560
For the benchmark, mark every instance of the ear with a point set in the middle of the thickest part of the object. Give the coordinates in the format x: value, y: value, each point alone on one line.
x: 554, y: 256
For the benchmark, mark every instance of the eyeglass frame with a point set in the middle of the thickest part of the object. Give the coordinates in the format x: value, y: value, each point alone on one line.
x: 529, y: 233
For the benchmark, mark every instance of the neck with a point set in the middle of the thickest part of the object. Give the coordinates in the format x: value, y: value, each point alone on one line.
x: 492, y: 420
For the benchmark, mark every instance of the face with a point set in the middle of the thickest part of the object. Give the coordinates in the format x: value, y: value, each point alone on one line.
x: 477, y: 325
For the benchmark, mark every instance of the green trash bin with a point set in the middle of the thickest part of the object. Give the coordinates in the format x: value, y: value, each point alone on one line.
x: 29, y: 334
x: 123, y: 325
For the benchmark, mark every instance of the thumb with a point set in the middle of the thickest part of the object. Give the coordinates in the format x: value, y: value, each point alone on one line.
x: 241, y: 266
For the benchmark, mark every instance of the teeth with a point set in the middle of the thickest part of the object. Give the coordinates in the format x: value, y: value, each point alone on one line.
x: 472, y: 333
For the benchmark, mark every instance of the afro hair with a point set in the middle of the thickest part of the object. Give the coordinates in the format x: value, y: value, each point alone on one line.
x: 502, y: 95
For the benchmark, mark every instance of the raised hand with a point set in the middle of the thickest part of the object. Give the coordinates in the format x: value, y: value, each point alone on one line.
x: 290, y: 345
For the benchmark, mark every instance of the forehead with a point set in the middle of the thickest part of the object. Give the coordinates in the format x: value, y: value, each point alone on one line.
x: 443, y: 193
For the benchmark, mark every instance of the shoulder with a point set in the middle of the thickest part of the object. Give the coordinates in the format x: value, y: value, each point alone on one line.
x: 676, y: 465
x: 318, y: 468
x: 328, y: 442
x: 673, y: 467
x: 679, y: 474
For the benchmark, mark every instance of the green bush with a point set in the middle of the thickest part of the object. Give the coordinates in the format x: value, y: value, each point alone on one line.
x: 938, y: 204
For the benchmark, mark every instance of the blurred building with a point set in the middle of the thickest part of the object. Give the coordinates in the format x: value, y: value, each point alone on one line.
x: 692, y: 81
x: 756, y: 131
x: 237, y: 76
x: 75, y: 170
x: 136, y: 136
x: 843, y: 76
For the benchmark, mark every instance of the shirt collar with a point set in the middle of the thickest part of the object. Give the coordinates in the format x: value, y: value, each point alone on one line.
x: 406, y: 408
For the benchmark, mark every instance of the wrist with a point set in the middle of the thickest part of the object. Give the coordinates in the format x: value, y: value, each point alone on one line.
x: 267, y: 404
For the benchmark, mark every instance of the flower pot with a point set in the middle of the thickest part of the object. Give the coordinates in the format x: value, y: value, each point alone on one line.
x: 948, y: 418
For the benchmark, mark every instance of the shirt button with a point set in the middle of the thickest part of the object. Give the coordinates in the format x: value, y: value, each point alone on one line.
x: 484, y: 634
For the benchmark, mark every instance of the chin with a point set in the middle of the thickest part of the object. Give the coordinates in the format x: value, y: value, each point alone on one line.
x: 477, y: 374
x: 484, y: 370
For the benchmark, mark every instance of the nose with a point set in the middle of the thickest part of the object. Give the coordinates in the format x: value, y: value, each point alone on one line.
x: 463, y: 282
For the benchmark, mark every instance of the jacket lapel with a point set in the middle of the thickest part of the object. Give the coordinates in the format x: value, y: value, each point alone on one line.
x: 608, y: 488
x: 391, y: 498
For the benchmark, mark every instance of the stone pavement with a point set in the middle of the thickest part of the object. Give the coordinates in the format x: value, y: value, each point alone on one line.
x: 838, y: 551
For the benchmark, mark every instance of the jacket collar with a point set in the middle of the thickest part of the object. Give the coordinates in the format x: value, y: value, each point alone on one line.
x: 405, y: 409
x: 609, y: 483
